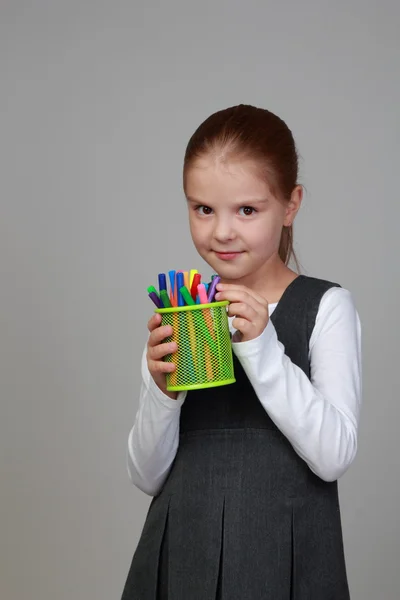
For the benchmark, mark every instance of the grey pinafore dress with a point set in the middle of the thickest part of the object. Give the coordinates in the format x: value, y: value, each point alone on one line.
x: 241, y: 516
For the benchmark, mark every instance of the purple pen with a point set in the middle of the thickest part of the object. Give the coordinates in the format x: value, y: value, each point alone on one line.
x: 212, y: 289
x: 153, y: 296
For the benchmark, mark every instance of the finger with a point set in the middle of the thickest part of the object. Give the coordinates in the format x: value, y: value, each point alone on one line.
x: 159, y: 334
x: 154, y: 322
x: 240, y: 295
x: 241, y: 309
x: 236, y: 291
x: 161, y: 350
x: 158, y: 366
x: 242, y: 325
x: 232, y: 287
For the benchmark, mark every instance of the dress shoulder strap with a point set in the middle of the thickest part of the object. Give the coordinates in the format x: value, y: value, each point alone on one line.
x: 295, y: 314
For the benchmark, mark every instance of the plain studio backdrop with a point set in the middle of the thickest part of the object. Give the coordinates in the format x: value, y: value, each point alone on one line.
x: 98, y: 101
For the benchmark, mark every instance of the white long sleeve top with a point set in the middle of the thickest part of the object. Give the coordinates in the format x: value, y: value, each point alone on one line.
x: 319, y: 416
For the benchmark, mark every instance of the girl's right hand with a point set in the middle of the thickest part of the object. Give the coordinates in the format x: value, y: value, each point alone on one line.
x: 156, y: 350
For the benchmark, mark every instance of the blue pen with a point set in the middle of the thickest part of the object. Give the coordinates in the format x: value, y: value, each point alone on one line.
x: 162, y: 282
x: 171, y: 275
x: 180, y: 282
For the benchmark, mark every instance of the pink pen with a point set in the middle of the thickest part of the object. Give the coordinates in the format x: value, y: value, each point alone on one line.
x: 201, y: 290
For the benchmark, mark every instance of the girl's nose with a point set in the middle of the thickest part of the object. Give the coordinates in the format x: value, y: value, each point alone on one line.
x: 224, y: 231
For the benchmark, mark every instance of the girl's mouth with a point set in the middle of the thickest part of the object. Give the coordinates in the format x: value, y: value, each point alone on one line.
x: 227, y: 255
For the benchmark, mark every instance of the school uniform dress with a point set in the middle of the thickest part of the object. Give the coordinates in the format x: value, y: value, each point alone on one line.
x: 244, y: 476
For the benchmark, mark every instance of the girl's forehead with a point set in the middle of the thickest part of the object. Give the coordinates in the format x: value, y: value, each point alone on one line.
x: 216, y: 177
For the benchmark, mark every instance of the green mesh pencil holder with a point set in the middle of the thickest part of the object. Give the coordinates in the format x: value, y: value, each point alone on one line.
x: 204, y: 356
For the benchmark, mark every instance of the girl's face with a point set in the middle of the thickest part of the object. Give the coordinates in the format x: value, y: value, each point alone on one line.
x: 235, y: 220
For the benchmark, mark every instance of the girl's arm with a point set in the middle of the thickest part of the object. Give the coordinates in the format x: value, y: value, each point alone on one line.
x: 154, y: 437
x: 319, y: 416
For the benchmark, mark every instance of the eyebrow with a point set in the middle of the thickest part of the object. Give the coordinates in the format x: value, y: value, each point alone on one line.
x: 242, y: 203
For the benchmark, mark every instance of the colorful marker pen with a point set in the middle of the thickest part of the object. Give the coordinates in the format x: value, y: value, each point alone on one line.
x: 202, y: 293
x: 156, y: 300
x: 152, y: 290
x: 195, y: 283
x: 212, y: 288
x: 165, y: 299
x: 180, y: 281
x: 186, y: 296
x: 162, y: 282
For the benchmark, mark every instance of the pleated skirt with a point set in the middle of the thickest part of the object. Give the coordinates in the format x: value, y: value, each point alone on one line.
x: 240, y: 517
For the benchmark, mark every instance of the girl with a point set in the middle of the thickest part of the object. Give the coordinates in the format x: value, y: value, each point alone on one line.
x: 244, y: 477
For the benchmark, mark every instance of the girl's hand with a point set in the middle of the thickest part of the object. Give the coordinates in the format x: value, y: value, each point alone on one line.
x: 249, y: 309
x: 157, y: 350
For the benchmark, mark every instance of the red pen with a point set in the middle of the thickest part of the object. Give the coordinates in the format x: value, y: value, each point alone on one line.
x: 196, y: 282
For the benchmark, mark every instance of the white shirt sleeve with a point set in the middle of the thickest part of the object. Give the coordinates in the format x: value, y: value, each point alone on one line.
x: 154, y: 437
x: 319, y: 416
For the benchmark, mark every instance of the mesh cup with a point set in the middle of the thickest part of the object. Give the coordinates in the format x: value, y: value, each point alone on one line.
x: 204, y: 356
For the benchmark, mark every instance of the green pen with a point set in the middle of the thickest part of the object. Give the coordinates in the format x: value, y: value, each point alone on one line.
x: 165, y: 299
x: 152, y: 290
x: 187, y: 296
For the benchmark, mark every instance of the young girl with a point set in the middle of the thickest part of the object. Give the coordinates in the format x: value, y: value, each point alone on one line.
x: 244, y: 477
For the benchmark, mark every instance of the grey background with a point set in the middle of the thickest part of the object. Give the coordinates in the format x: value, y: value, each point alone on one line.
x: 98, y: 100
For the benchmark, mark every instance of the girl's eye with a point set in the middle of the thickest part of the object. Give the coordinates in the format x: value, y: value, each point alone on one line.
x: 204, y: 210
x: 247, y: 210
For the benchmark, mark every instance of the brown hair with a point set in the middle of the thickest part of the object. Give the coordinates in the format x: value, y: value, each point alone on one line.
x: 245, y: 131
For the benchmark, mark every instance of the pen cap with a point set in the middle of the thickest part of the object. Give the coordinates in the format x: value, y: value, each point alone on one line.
x: 204, y: 355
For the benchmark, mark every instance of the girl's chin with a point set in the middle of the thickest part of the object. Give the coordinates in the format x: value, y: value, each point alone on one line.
x: 228, y: 271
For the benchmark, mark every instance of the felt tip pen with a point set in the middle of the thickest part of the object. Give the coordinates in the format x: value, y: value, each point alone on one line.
x: 152, y: 290
x: 165, y: 299
x: 171, y: 275
x: 180, y: 282
x: 193, y: 272
x: 154, y: 297
x: 186, y: 296
x: 212, y: 288
x: 202, y: 293
x: 186, y: 279
x: 196, y: 281
x: 162, y: 282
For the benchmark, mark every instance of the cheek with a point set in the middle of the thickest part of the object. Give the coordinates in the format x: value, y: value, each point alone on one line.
x: 196, y: 231
x: 192, y: 225
x: 265, y: 235
x: 199, y: 228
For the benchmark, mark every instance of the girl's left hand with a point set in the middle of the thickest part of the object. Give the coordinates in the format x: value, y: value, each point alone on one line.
x: 249, y: 309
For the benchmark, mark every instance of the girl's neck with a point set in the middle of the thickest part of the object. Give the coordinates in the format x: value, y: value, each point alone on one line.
x: 274, y: 291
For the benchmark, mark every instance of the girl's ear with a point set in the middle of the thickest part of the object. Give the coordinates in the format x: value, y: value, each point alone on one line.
x: 293, y: 206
